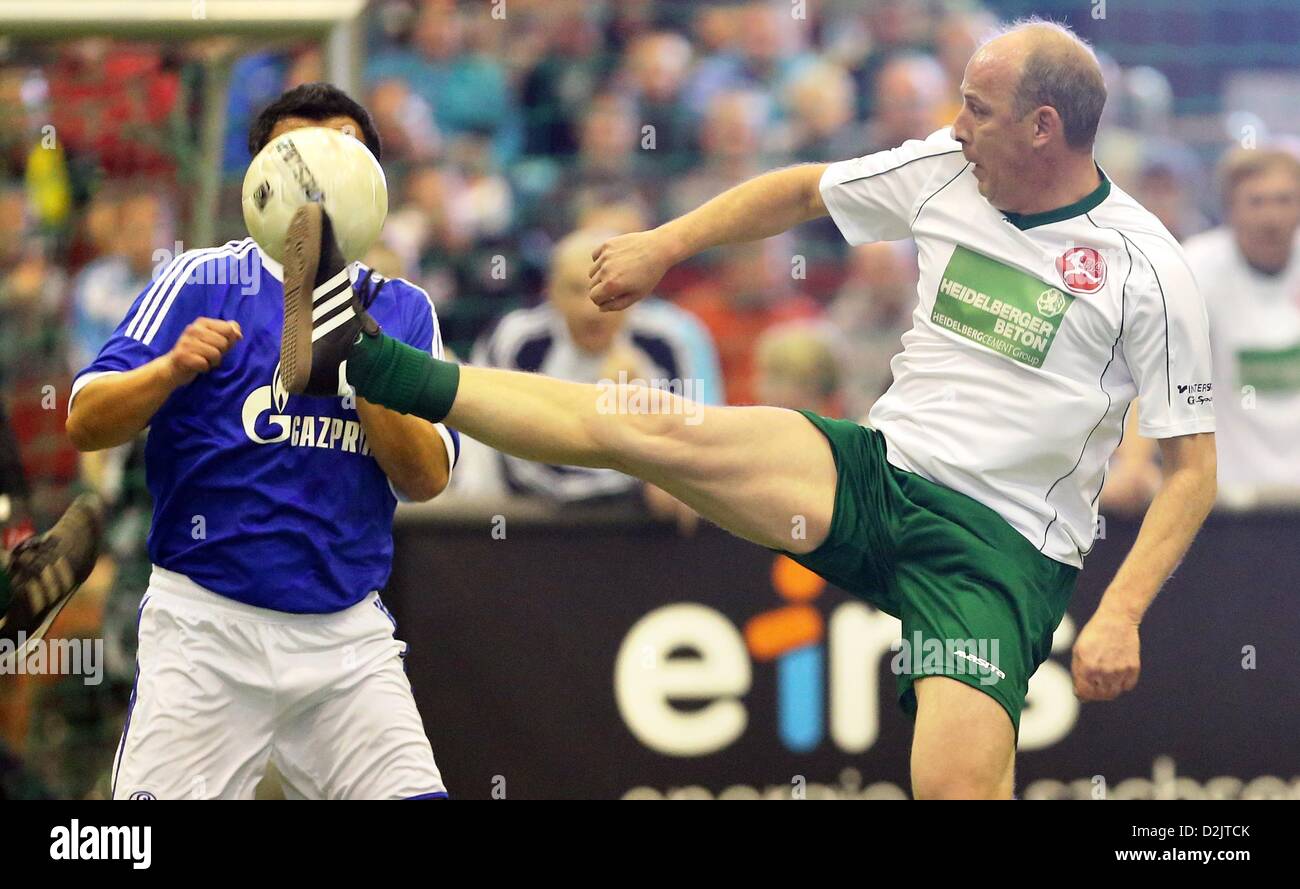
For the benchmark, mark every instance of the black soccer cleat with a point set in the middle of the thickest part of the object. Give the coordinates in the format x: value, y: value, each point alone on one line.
x: 45, y: 570
x: 323, y: 311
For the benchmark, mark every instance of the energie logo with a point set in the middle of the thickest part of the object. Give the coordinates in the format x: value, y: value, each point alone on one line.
x: 791, y: 637
x: 684, y: 672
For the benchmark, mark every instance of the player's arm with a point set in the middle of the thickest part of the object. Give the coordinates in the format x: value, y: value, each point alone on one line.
x: 626, y: 268
x: 113, y: 407
x: 871, y: 198
x: 416, y: 455
x: 1133, y: 477
x: 410, y: 450
x: 1166, y: 345
x: 1106, y: 660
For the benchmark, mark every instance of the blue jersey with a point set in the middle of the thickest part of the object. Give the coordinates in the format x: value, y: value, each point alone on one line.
x: 271, y: 499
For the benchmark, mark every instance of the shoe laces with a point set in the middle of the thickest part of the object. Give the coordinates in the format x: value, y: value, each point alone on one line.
x: 367, y: 288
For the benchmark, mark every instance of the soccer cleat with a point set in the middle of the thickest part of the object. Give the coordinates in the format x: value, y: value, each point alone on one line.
x: 45, y: 570
x: 323, y: 311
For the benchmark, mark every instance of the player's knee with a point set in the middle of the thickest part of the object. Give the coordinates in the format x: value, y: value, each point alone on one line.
x: 948, y: 766
x: 640, y: 426
x: 957, y: 780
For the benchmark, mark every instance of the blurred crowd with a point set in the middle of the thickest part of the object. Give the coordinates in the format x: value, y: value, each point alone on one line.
x: 513, y: 144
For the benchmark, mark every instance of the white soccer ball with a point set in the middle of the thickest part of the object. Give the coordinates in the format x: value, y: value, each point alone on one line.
x: 315, y: 164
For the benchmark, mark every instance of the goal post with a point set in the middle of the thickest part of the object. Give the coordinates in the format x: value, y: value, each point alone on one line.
x: 333, y: 24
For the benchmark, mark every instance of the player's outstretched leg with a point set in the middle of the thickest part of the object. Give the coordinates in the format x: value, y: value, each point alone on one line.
x: 44, y: 571
x: 765, y: 474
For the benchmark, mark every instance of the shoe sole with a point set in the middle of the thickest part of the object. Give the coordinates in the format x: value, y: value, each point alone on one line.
x: 39, y: 633
x: 88, y: 509
x: 301, y: 262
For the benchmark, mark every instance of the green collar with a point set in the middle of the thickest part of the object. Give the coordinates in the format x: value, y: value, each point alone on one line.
x: 1078, y: 208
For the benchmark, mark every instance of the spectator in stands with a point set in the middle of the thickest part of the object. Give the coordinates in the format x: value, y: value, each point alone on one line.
x: 569, y: 338
x: 256, y: 80
x: 956, y: 36
x: 1135, y: 123
x: 555, y: 91
x: 33, y: 342
x: 450, y: 233
x: 731, y: 136
x: 799, y: 367
x: 627, y: 215
x: 714, y: 28
x: 307, y: 65
x: 103, y: 291
x: 627, y: 20
x: 869, y: 36
x: 1249, y: 273
x: 488, y: 203
x: 110, y: 103
x: 751, y: 290
x: 405, y: 123
x: 821, y: 127
x: 429, y: 222
x: 17, y: 85
x: 769, y: 51
x: 872, y: 311
x: 33, y: 358
x: 911, y: 98
x: 14, y: 225
x: 657, y: 65
x: 1168, y: 184
x: 467, y: 91
x: 607, y: 164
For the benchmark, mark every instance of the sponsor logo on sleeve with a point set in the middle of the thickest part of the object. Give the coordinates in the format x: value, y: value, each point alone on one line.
x: 1197, y: 393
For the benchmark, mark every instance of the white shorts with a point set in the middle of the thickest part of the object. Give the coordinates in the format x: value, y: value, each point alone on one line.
x: 223, y: 688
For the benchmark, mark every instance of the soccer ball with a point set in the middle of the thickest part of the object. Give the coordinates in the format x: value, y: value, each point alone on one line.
x: 315, y: 164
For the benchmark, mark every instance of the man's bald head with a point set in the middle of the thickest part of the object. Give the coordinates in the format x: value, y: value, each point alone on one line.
x: 1052, y: 66
x: 1031, y: 101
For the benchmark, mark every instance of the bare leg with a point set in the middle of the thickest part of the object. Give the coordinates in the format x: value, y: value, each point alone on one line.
x: 765, y: 474
x: 964, y: 746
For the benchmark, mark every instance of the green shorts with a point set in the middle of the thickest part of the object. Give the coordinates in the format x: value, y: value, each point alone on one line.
x: 978, y: 602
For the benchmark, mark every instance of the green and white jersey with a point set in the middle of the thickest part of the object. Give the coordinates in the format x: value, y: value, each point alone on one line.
x: 1255, y: 333
x: 1032, y: 337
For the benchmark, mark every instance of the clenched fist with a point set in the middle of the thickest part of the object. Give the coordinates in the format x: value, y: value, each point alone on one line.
x: 626, y: 268
x: 1106, y: 658
x: 201, y: 347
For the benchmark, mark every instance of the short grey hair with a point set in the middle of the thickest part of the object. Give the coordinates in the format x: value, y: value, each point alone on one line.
x: 1070, y: 82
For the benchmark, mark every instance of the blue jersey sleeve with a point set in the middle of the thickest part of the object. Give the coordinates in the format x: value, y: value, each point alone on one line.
x: 421, y: 324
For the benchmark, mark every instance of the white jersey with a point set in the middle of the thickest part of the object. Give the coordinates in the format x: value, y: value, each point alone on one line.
x: 1255, y: 333
x: 1032, y: 336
